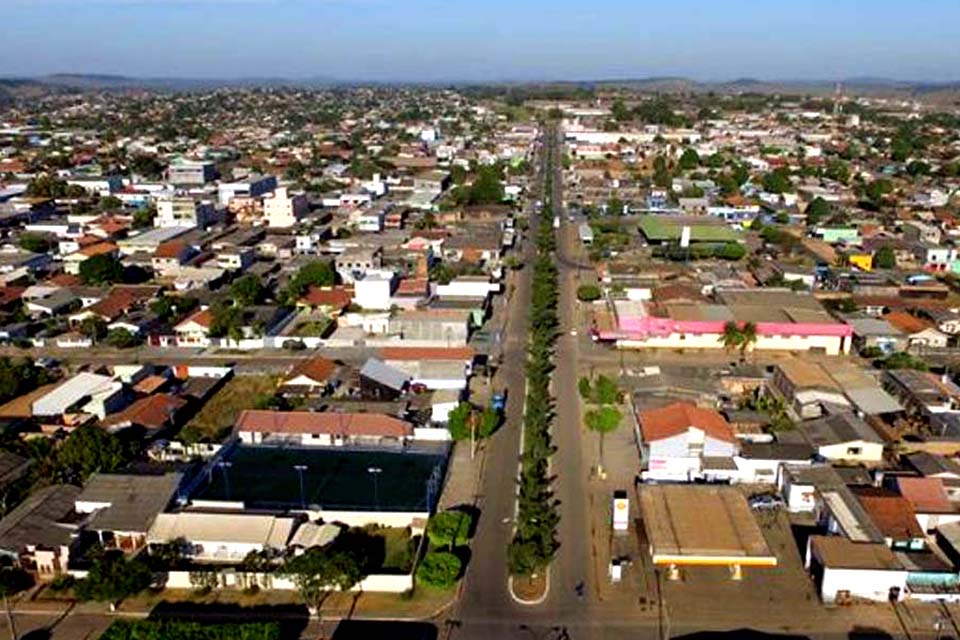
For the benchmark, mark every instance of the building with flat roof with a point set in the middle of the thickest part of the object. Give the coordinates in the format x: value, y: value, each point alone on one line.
x: 784, y: 321
x: 697, y: 525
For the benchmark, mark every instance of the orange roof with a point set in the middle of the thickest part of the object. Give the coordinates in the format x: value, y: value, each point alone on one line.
x: 925, y: 494
x: 150, y: 384
x: 412, y: 285
x: 347, y: 424
x: 172, y: 249
x: 204, y: 318
x: 64, y: 280
x: 317, y: 369
x: 10, y: 294
x: 677, y: 418
x: 906, y: 322
x: 153, y: 412
x: 98, y: 249
x: 338, y: 297
x: 892, y: 514
x: 428, y: 353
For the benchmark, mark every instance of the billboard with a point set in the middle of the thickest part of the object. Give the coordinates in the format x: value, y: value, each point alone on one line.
x: 621, y: 511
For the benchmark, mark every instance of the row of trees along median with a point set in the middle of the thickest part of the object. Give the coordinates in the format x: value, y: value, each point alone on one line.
x: 534, y: 542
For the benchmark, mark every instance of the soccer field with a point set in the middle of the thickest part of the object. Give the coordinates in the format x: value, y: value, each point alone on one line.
x: 352, y: 480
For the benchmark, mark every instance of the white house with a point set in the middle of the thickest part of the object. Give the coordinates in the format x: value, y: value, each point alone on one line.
x: 845, y: 570
x: 677, y: 438
x: 222, y: 537
x: 280, y: 209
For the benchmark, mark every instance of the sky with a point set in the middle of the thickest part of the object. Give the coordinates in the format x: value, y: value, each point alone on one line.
x: 483, y: 40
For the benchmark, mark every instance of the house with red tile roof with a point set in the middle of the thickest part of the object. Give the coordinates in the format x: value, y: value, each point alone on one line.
x: 309, y: 428
x: 930, y: 501
x: 680, y: 441
x: 194, y: 330
x: 894, y: 517
x: 312, y: 376
x: 328, y: 300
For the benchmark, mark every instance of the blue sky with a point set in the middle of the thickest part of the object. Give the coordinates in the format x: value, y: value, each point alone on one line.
x: 448, y: 40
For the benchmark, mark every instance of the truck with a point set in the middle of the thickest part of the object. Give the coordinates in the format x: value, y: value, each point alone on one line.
x: 498, y: 401
x: 556, y: 222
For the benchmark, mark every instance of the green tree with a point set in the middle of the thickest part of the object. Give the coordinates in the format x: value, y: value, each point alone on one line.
x: 109, y: 203
x: 487, y: 187
x: 615, y: 207
x: 318, y: 273
x: 620, y: 111
x: 317, y: 572
x: 112, y: 578
x: 661, y: 173
x: 885, y: 258
x: 94, y: 327
x: 247, y: 290
x: 777, y: 181
x: 732, y: 251
x: 606, y: 390
x: 749, y: 335
x: 689, y: 160
x: 918, y: 168
x: 18, y: 377
x: 13, y: 580
x: 120, y: 338
x: 449, y: 529
x: 86, y: 450
x: 838, y: 170
x: 603, y: 420
x: 878, y: 189
x: 35, y: 243
x: 588, y: 293
x: 101, y: 269
x: 489, y: 422
x: 731, y: 336
x: 439, y: 569
x: 169, y: 308
x: 817, y: 211
x: 458, y: 421
x: 143, y: 217
x: 585, y: 388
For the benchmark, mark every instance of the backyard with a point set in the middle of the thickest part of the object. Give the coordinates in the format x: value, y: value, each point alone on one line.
x: 215, y: 420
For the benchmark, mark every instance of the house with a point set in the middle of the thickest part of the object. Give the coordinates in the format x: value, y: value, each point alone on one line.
x: 919, y: 332
x: 373, y: 289
x: 806, y: 388
x: 12, y: 468
x: 763, y: 462
x: 432, y: 328
x: 153, y: 413
x: 379, y: 381
x: 844, y: 570
x: 321, y: 429
x: 171, y: 255
x: 876, y: 333
x: 800, y: 484
x: 38, y: 533
x: 930, y: 501
x: 843, y: 437
x: 676, y: 440
x: 194, y: 330
x: 184, y: 211
x: 894, y: 517
x: 222, y: 538
x: 923, y: 393
x: 122, y: 507
x: 330, y: 301
x: 85, y: 392
x: 310, y: 377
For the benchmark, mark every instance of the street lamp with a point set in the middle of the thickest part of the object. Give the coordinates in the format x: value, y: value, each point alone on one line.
x: 374, y: 472
x: 300, y: 469
x: 224, y: 466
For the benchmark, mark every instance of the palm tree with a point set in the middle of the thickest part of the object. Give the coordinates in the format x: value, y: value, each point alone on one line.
x: 748, y: 337
x: 732, y: 337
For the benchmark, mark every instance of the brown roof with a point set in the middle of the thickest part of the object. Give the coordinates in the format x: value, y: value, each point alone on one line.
x: 348, y: 424
x: 893, y: 514
x: 338, y: 297
x: 906, y: 322
x: 412, y: 286
x: 153, y: 412
x: 120, y: 300
x: 173, y: 249
x: 428, y: 353
x: 677, y: 418
x: 98, y: 249
x: 927, y: 495
x: 318, y: 369
x: 204, y: 318
x: 10, y: 294
x: 64, y: 280
x: 838, y: 552
x: 150, y: 384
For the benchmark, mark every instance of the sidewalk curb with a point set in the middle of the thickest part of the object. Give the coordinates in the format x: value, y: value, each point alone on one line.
x: 529, y: 603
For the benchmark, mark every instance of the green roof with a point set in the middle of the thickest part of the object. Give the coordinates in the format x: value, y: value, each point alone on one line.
x: 664, y: 229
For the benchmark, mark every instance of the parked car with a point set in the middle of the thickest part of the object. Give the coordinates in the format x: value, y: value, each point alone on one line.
x: 765, y: 502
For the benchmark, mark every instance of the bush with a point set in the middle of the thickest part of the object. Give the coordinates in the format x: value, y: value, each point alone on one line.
x: 112, y: 577
x: 588, y: 293
x: 449, y: 529
x: 439, y: 569
x: 177, y: 630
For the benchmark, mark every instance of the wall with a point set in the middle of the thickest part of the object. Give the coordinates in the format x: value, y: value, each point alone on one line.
x: 869, y: 452
x: 233, y: 579
x: 865, y: 584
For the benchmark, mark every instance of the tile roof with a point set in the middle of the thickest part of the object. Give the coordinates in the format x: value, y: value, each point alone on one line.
x: 152, y: 412
x: 677, y: 418
x: 927, y: 495
x: 906, y: 322
x: 327, y: 297
x: 348, y: 424
x: 318, y: 369
x: 203, y: 317
x: 428, y: 353
x: 892, y: 514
